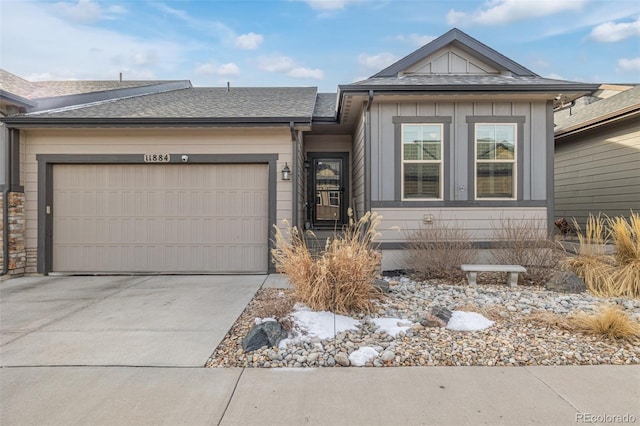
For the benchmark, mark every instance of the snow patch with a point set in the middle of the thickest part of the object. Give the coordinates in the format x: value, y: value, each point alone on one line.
x: 468, y: 321
x: 323, y: 325
x: 392, y: 326
x: 363, y: 355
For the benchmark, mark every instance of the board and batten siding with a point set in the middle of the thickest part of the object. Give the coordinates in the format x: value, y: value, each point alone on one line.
x: 598, y: 172
x: 141, y: 141
x: 475, y: 218
x: 357, y: 173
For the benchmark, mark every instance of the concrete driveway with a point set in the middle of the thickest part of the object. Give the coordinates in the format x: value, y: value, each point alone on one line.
x: 158, y: 321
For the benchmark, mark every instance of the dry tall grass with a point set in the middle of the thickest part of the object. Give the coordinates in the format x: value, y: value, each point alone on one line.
x: 609, y: 322
x: 341, y: 278
x: 605, y: 275
x: 437, y: 251
x: 526, y: 242
x: 626, y: 239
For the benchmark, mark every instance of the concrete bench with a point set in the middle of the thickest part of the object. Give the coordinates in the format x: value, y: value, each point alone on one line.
x: 513, y: 271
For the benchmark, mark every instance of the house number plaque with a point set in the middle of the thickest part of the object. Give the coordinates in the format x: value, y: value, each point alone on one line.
x: 157, y: 158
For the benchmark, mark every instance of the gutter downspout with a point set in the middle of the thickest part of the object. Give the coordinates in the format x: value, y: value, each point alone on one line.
x: 5, y: 201
x: 294, y: 175
x: 367, y: 151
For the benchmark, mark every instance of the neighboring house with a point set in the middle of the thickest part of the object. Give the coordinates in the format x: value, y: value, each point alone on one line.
x: 597, y: 161
x: 191, y: 180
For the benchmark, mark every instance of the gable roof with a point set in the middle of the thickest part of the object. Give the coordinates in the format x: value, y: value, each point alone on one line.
x: 599, y: 112
x: 188, y: 106
x: 465, y: 43
x: 42, y: 95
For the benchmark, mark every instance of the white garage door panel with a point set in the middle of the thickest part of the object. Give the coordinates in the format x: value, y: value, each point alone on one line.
x: 160, y: 218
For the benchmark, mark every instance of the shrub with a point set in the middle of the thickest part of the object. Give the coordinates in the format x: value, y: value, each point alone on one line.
x: 274, y: 304
x: 626, y: 238
x: 605, y: 275
x: 341, y: 278
x: 438, y: 251
x: 526, y: 243
x: 610, y: 322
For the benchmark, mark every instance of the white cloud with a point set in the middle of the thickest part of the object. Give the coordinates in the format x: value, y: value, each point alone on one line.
x: 86, y: 11
x: 610, y: 32
x: 377, y: 62
x: 301, y: 72
x: 415, y: 39
x: 275, y: 63
x: 629, y: 64
x: 330, y: 4
x: 228, y: 69
x: 249, y: 41
x: 505, y: 11
x: 554, y: 76
x: 78, y: 51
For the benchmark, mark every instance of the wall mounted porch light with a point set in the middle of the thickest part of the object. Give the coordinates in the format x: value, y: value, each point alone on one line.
x: 286, y: 172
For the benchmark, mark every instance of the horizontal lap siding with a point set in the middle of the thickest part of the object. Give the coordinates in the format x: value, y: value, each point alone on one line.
x: 598, y: 172
x: 479, y: 222
x: 140, y: 141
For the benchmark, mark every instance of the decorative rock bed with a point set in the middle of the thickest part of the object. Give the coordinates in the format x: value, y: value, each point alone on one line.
x: 515, y: 338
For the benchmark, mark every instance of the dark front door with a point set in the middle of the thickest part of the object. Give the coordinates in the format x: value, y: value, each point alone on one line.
x: 328, y: 192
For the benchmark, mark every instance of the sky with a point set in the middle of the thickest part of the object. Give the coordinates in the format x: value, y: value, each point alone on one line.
x: 321, y: 43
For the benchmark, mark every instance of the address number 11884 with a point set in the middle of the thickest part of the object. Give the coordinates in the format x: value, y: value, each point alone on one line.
x: 157, y: 158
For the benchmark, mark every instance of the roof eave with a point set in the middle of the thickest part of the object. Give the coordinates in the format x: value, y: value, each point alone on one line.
x: 471, y: 88
x: 627, y: 113
x: 15, y: 99
x: 24, y: 122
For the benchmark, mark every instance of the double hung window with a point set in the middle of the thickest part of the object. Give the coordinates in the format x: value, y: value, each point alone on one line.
x: 495, y: 160
x: 422, y: 155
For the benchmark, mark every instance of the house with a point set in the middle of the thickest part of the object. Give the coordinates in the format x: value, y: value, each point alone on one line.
x: 597, y: 162
x: 191, y: 180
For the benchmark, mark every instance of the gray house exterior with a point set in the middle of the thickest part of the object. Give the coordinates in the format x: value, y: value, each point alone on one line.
x: 191, y: 180
x: 597, y: 162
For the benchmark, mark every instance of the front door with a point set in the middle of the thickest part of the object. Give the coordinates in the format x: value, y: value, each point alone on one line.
x: 328, y: 193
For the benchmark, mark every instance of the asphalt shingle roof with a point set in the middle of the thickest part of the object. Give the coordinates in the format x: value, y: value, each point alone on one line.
x: 11, y: 83
x: 602, y: 108
x: 200, y: 102
x: 460, y: 80
x: 325, y: 105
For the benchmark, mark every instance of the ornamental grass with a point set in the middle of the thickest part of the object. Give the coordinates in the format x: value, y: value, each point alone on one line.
x: 338, y: 279
x: 610, y: 322
x: 606, y: 275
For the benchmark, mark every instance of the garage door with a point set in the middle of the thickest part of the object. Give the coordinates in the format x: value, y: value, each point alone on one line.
x: 160, y: 218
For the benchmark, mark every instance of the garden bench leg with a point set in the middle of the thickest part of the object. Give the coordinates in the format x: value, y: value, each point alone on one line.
x: 471, y: 276
x: 513, y: 279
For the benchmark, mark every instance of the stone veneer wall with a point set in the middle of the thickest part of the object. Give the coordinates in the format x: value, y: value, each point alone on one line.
x: 17, y: 254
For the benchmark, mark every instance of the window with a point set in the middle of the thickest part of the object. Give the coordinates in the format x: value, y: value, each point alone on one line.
x: 421, y: 161
x: 334, y: 198
x: 495, y: 160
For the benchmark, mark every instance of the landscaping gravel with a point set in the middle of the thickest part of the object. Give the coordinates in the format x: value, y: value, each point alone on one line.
x: 515, y: 339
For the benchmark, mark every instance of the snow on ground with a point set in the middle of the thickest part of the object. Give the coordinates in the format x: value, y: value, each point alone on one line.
x: 392, y: 326
x: 361, y: 356
x: 326, y: 325
x: 468, y: 321
x: 323, y: 325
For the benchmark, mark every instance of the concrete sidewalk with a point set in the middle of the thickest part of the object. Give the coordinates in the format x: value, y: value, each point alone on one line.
x: 330, y: 396
x: 131, y: 350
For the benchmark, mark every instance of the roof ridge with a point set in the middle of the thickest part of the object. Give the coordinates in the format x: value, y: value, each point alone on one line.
x: 100, y: 102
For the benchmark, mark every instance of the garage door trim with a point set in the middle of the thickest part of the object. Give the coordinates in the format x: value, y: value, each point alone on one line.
x: 45, y: 189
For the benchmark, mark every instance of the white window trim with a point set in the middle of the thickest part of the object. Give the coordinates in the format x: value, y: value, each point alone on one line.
x: 441, y: 161
x: 513, y: 161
